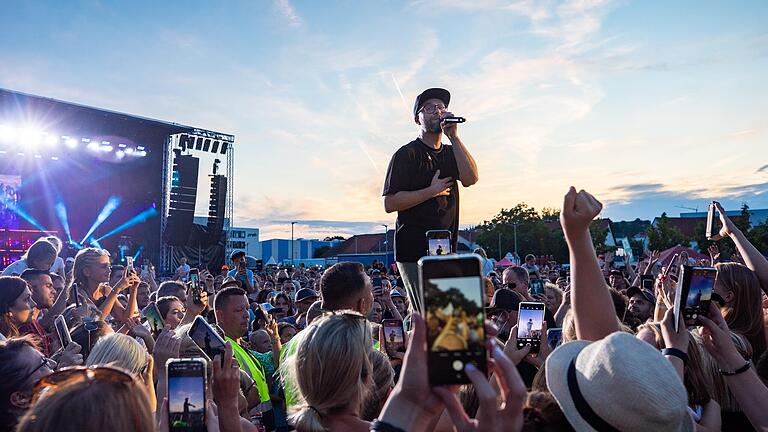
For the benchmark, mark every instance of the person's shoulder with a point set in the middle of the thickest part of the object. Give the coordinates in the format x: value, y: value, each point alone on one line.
x: 409, y: 149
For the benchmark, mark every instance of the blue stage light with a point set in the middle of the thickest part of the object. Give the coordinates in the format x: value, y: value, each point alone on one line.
x: 61, y: 212
x: 139, y: 218
x: 112, y: 203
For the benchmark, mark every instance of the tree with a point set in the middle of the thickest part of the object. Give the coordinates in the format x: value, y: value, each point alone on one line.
x: 599, y: 234
x: 664, y: 236
x: 537, y: 233
x: 319, y: 252
x: 336, y: 237
x: 758, y: 236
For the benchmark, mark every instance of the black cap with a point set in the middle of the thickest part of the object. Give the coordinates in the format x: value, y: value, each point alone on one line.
x: 505, y: 299
x: 432, y: 93
x: 236, y: 254
x: 305, y: 293
x: 647, y: 294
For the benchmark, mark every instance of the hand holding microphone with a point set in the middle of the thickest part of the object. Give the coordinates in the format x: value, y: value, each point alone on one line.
x: 448, y: 124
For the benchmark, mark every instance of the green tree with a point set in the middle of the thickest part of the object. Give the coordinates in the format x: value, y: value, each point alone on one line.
x: 319, y: 252
x: 537, y: 233
x: 664, y: 236
x: 336, y: 237
x: 758, y: 236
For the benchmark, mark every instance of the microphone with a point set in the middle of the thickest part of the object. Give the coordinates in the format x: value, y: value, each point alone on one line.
x: 453, y: 119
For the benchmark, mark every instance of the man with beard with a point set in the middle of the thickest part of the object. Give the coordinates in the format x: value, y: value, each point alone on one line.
x: 640, y: 308
x: 231, y: 308
x: 45, y: 295
x: 421, y: 184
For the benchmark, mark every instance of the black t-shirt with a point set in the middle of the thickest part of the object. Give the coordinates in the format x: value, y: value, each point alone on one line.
x: 412, y: 168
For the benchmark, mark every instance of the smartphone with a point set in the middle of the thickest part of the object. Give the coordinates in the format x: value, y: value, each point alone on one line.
x: 194, y: 284
x: 530, y: 321
x: 186, y: 394
x: 646, y: 282
x: 536, y: 287
x: 129, y: 263
x: 394, y: 336
x: 438, y: 242
x: 694, y: 293
x: 452, y: 295
x: 207, y: 338
x: 63, y: 331
x: 154, y: 319
x: 710, y: 230
x: 554, y: 337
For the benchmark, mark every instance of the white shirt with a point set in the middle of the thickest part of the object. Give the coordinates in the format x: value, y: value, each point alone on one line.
x: 19, y: 266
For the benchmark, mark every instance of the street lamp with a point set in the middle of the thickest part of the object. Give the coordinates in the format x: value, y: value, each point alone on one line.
x: 292, y: 254
x: 386, y: 246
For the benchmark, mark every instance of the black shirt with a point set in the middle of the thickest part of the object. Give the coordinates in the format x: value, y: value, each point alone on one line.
x: 412, y: 168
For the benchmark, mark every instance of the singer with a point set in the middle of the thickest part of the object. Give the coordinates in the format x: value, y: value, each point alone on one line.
x: 421, y: 184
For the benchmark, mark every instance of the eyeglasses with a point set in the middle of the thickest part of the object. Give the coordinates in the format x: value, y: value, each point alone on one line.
x: 78, y: 374
x: 432, y: 108
x: 46, y: 362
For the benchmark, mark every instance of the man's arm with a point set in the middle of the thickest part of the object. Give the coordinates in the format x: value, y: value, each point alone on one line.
x: 468, y: 174
x: 404, y: 200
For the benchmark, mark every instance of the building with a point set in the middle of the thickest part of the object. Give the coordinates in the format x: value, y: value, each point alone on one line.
x: 245, y: 239
x: 280, y: 250
x: 756, y: 216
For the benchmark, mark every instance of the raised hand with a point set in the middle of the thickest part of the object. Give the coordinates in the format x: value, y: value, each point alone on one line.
x: 440, y: 187
x: 499, y: 410
x: 166, y: 347
x: 728, y: 226
x: 716, y: 338
x: 714, y: 253
x: 579, y: 210
x: 226, y: 378
x: 70, y: 356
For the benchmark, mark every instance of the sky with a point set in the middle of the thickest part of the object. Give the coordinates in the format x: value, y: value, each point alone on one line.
x: 650, y: 105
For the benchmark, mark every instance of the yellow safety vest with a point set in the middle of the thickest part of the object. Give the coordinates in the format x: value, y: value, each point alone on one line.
x: 255, y: 370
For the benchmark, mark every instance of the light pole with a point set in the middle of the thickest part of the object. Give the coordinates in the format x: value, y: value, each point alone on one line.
x: 386, y: 246
x: 292, y: 254
x: 515, y: 226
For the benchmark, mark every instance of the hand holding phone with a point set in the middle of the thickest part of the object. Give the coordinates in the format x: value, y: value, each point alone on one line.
x: 694, y: 293
x: 530, y: 323
x: 207, y: 338
x: 62, y: 331
x: 187, y: 383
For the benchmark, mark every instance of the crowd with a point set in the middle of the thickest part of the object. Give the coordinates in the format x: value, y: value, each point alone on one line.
x: 306, y: 348
x: 88, y: 344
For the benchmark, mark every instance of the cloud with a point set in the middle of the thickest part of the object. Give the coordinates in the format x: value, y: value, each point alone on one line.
x: 288, y: 11
x: 763, y: 168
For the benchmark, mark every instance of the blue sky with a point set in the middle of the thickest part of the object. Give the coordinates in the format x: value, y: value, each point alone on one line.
x: 648, y: 104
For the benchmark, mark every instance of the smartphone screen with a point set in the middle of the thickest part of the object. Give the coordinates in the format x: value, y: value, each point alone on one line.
x: 710, y: 231
x: 154, y: 319
x: 438, y: 242
x: 63, y: 331
x: 646, y: 282
x: 194, y: 282
x: 453, y: 300
x: 696, y: 285
x: 536, y: 287
x: 529, y: 325
x: 206, y: 338
x: 129, y: 263
x: 394, y: 337
x: 554, y: 337
x: 186, y: 395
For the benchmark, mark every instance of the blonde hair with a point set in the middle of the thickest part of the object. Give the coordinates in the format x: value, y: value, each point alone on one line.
x: 121, y: 351
x: 383, y: 380
x: 70, y: 408
x: 695, y: 376
x: 569, y: 327
x: 745, y: 314
x: 555, y: 289
x: 83, y: 259
x: 331, y: 367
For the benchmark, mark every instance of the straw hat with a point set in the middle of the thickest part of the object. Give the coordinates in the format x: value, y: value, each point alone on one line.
x: 617, y: 383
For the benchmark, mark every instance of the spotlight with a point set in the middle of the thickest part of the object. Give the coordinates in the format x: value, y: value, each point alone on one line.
x: 122, y: 146
x: 28, y: 136
x: 7, y: 133
x: 120, y: 154
x: 37, y: 156
x: 70, y: 142
x: 94, y: 146
x: 129, y: 150
x: 51, y: 140
x: 140, y: 148
x: 106, y: 148
x: 141, y: 153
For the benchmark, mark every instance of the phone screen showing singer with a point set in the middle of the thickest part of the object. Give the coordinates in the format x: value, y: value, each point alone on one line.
x: 530, y: 324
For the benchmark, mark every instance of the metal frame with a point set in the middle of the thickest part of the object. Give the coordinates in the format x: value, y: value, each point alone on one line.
x: 166, y: 256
